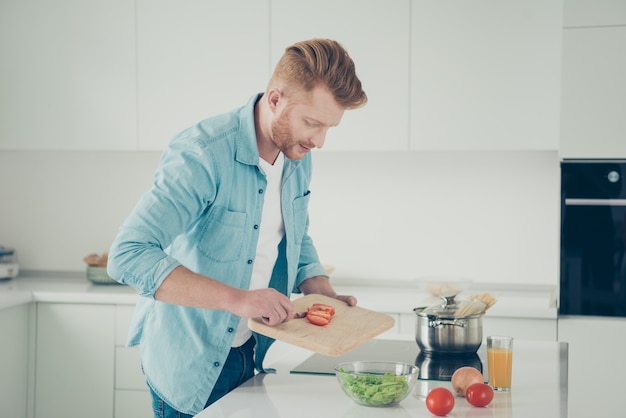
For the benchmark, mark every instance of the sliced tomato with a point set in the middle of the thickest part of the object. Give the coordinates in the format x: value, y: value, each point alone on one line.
x: 320, y: 314
x: 323, y: 314
x: 318, y: 318
x: 323, y: 307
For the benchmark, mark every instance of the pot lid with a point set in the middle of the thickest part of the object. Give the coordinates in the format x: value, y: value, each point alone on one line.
x: 450, y: 308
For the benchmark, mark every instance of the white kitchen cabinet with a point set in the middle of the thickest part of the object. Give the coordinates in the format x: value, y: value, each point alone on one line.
x: 485, y: 75
x: 376, y: 34
x: 74, y: 360
x: 596, y: 357
x: 83, y: 365
x: 197, y: 59
x: 454, y: 75
x: 585, y: 13
x: 594, y: 93
x: 14, y: 351
x: 128, y: 374
x: 133, y: 404
x: 132, y: 398
x: 68, y: 78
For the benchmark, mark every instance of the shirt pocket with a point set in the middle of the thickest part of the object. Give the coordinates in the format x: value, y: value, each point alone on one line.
x: 300, y: 216
x: 222, y: 235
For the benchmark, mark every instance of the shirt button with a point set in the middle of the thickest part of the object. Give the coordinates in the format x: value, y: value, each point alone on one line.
x: 256, y: 227
x: 249, y: 261
x: 231, y: 329
x: 260, y: 191
x: 216, y: 364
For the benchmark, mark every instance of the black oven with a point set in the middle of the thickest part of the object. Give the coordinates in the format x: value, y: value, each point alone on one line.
x: 593, y: 238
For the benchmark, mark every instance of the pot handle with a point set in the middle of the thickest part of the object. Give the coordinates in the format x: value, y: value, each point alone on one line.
x: 443, y: 322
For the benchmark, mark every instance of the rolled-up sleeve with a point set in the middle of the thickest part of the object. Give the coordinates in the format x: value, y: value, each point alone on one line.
x: 182, y: 189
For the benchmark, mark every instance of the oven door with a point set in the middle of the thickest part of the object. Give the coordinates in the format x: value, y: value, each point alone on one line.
x: 593, y: 261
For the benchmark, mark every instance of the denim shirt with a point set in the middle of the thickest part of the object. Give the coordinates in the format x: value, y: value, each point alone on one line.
x: 203, y: 212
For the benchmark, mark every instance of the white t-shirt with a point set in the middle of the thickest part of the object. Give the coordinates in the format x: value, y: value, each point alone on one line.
x: 271, y: 232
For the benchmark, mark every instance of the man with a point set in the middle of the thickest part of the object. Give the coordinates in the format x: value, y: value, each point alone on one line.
x: 222, y: 235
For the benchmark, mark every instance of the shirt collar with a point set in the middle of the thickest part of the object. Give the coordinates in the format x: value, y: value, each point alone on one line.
x: 247, y: 150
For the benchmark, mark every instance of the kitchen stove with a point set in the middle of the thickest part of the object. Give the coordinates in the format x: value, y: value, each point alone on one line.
x: 432, y: 366
x: 442, y: 366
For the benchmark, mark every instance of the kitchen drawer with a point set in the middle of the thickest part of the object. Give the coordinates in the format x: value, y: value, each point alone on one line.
x: 133, y: 404
x: 123, y: 316
x: 128, y: 374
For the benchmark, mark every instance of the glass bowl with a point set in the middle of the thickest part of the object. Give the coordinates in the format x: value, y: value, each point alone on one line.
x: 376, y: 383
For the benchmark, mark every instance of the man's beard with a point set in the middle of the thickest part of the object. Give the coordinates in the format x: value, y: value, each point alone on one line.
x: 282, y: 135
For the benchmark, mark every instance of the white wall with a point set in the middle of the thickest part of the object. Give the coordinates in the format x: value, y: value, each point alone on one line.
x: 490, y: 216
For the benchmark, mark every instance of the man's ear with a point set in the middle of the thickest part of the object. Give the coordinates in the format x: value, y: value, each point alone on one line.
x: 274, y: 96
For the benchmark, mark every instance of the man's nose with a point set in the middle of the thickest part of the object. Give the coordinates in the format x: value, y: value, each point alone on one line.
x: 319, y: 139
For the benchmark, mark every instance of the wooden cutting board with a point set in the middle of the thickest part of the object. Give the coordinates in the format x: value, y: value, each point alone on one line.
x: 350, y: 327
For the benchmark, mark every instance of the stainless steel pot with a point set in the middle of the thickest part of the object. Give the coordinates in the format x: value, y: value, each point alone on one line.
x: 439, y: 329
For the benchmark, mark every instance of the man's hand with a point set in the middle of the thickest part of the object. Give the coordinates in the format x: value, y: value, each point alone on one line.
x: 350, y: 300
x: 269, y: 304
x: 321, y: 285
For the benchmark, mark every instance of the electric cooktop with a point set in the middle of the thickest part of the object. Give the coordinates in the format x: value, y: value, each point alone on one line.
x: 432, y: 366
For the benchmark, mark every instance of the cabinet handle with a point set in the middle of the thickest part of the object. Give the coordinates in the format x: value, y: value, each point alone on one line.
x: 595, y: 202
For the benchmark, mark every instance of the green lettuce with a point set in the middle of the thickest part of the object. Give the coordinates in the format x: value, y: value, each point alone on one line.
x: 375, y: 389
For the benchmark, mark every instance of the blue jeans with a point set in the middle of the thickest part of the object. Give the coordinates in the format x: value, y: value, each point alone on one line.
x: 238, y: 368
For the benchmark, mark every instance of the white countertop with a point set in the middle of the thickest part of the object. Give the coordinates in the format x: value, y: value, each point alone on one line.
x: 514, y: 301
x: 539, y: 390
x: 62, y: 288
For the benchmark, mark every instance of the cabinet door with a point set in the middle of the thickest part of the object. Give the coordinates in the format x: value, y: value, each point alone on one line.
x: 68, y: 78
x: 594, y: 93
x: 596, y: 365
x: 75, y: 361
x: 197, y: 59
x: 376, y: 35
x: 14, y: 360
x: 132, y: 398
x: 133, y: 404
x: 585, y: 13
x: 485, y: 74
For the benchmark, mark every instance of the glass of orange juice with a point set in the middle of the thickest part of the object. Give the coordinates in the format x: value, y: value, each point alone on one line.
x: 500, y: 362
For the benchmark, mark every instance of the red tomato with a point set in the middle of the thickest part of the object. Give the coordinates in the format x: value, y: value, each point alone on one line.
x: 479, y: 394
x: 323, y: 307
x: 440, y: 401
x: 318, y: 317
x: 323, y: 314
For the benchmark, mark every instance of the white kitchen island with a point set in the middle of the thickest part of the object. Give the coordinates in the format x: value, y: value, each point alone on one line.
x: 539, y: 390
x: 34, y: 308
